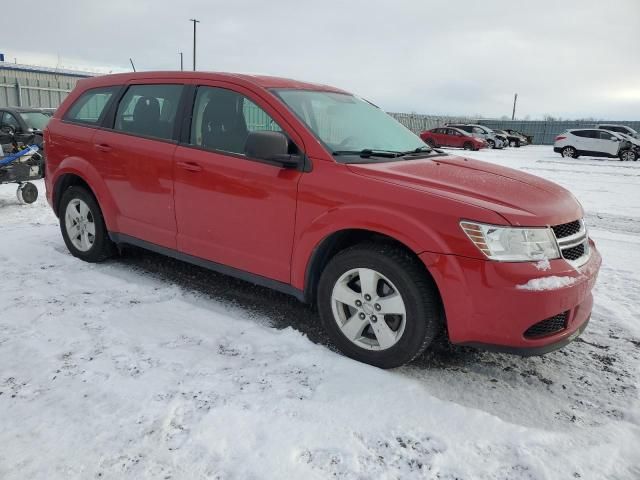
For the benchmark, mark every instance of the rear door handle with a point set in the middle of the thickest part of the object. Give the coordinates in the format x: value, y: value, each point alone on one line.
x: 103, y: 147
x: 190, y: 166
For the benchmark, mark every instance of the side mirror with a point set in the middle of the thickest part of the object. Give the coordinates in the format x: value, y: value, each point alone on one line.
x: 272, y: 147
x: 615, y: 139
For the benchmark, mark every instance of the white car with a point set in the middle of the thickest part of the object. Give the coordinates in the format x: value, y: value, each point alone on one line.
x: 593, y: 143
x: 619, y: 129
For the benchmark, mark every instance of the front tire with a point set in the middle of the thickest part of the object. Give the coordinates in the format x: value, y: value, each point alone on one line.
x: 491, y: 144
x: 82, y: 226
x: 468, y: 146
x: 628, y: 155
x: 378, y: 304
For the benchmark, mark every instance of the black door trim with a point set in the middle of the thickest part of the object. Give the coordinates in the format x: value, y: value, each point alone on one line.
x: 120, y: 238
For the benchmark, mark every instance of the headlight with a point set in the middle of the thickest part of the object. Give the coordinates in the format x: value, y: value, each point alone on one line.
x: 512, y: 244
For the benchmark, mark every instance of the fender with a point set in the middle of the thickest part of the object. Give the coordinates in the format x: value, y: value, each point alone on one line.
x: 87, y: 172
x: 390, y: 222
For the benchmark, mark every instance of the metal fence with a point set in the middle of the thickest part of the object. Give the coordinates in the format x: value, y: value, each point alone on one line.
x: 544, y: 132
x: 37, y: 87
x: 419, y: 123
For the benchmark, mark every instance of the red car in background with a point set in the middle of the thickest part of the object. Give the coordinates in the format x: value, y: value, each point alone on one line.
x: 452, y: 137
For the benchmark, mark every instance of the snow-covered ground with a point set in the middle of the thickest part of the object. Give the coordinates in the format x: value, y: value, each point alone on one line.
x: 129, y: 370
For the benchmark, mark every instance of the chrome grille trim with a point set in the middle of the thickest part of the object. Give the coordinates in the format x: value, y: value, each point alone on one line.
x: 579, y: 238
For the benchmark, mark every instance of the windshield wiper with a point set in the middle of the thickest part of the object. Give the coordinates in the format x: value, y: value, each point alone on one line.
x: 420, y: 150
x: 370, y: 152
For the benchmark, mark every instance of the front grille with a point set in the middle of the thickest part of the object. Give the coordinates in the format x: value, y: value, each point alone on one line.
x: 566, y: 229
x: 548, y: 327
x: 573, y: 241
x: 574, y: 253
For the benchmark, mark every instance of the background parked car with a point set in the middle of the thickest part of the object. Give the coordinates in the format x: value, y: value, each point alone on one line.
x: 24, y: 122
x: 619, y: 129
x: 502, y: 137
x: 513, y: 140
x: 594, y: 143
x: 48, y: 111
x: 635, y: 147
x: 480, y: 131
x: 528, y: 138
x: 452, y: 137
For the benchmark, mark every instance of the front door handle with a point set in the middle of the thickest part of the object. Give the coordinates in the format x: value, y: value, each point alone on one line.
x: 103, y: 147
x: 189, y: 166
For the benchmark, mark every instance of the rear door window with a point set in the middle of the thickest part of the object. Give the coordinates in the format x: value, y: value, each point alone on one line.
x: 586, y: 133
x: 90, y: 106
x: 149, y: 110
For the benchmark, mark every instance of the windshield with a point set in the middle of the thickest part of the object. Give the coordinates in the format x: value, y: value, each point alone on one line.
x: 35, y: 120
x: 345, y: 123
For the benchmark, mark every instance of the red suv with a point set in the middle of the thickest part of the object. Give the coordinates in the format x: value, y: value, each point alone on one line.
x: 312, y: 191
x: 452, y: 137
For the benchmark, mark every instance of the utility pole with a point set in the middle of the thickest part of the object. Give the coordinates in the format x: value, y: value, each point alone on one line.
x: 181, y: 62
x: 513, y: 114
x: 194, y: 41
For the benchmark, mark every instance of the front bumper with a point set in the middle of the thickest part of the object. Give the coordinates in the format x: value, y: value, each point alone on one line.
x: 485, y: 307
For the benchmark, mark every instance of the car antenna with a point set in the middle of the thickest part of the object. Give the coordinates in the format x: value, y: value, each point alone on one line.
x: 132, y: 65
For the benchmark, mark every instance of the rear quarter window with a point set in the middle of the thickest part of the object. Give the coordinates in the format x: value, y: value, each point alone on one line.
x: 90, y: 106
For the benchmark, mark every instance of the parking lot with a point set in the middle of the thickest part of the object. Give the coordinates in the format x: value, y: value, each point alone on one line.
x: 147, y: 366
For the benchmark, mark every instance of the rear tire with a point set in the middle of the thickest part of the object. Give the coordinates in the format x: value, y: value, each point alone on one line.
x: 491, y: 144
x: 397, y: 279
x: 569, y: 152
x: 82, y: 226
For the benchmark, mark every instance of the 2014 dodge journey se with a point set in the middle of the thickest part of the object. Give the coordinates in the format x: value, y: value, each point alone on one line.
x: 315, y: 192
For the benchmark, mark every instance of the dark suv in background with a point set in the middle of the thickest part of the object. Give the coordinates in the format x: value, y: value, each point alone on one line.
x: 24, y: 122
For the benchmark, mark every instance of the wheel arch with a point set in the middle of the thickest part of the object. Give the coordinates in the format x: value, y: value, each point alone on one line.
x: 338, y: 241
x: 81, y: 173
x: 63, y: 182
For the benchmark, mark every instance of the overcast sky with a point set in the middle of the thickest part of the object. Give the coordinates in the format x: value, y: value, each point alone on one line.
x: 574, y: 59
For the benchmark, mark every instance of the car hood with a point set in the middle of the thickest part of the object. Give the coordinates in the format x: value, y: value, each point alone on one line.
x: 520, y: 198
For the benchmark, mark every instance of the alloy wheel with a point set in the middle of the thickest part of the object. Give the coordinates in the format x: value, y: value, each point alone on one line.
x: 368, y: 309
x: 627, y: 156
x: 80, y: 225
